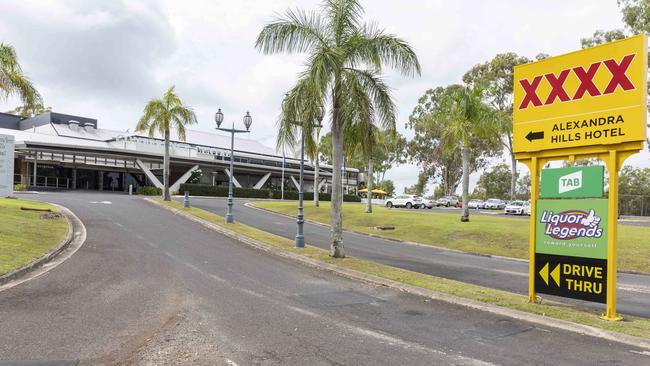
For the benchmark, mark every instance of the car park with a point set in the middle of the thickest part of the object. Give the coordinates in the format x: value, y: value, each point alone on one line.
x: 495, y: 204
x: 515, y: 208
x: 475, y: 204
x: 447, y: 201
x: 404, y: 200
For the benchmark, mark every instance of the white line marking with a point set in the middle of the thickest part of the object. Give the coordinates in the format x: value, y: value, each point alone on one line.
x: 644, y: 353
x: 643, y: 290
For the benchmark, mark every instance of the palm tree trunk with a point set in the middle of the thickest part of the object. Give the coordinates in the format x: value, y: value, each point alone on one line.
x: 316, y: 183
x: 465, y: 154
x: 336, y: 248
x: 513, y: 179
x: 369, y: 180
x: 167, y: 196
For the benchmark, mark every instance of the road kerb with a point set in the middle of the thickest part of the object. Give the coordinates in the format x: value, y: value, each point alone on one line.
x: 20, y: 275
x: 379, y: 281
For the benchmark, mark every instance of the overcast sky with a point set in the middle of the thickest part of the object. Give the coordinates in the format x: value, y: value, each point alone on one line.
x: 106, y: 59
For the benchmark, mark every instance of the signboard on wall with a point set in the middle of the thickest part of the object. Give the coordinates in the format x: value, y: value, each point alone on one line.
x: 6, y: 165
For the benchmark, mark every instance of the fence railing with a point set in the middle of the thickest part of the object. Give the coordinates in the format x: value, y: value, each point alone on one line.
x: 51, y: 182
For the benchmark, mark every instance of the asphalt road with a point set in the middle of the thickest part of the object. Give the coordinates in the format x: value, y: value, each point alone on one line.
x: 151, y: 288
x: 500, y: 273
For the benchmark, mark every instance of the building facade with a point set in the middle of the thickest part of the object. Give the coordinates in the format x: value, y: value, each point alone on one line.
x: 66, y: 152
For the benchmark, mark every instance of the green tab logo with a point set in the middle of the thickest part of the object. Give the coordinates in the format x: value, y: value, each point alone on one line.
x: 570, y: 182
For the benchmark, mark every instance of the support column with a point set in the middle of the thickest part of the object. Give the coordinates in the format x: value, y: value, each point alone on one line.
x: 35, y: 168
x: 74, y: 171
x: 101, y: 180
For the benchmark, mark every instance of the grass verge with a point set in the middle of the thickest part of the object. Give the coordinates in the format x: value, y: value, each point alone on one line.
x: 24, y: 235
x: 634, y: 326
x: 484, y: 234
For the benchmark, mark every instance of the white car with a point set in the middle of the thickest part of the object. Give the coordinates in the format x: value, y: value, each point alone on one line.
x: 527, y: 208
x: 427, y: 203
x: 495, y: 204
x: 516, y: 208
x: 405, y: 200
x: 475, y: 204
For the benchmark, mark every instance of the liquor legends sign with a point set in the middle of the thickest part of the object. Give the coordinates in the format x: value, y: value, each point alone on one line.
x: 576, y: 228
x: 595, y: 96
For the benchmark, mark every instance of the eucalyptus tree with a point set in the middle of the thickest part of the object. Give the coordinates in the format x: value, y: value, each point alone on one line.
x: 13, y: 81
x: 344, y: 57
x: 466, y: 118
x: 161, y: 115
x: 497, y: 78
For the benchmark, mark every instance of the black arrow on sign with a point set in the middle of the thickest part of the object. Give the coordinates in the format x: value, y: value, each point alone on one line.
x: 535, y: 135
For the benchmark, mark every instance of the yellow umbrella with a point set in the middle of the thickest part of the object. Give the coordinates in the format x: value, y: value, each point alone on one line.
x: 378, y: 191
x: 363, y: 190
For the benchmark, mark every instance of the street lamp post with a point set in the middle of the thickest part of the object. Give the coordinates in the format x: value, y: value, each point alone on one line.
x: 248, y: 120
x: 300, y: 235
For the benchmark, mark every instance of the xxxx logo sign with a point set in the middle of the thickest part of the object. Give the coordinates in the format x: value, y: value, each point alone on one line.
x: 596, y: 96
x: 586, y: 78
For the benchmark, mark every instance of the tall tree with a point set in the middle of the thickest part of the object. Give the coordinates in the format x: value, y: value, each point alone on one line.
x: 496, y: 77
x: 466, y: 117
x: 443, y: 163
x: 13, y: 81
x: 495, y: 182
x: 344, y: 57
x: 163, y: 114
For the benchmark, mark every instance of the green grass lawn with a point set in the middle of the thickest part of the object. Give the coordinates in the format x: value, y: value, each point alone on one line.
x: 24, y: 236
x: 484, y: 234
x: 638, y: 327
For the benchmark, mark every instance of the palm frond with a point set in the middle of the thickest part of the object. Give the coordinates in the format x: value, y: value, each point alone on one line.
x: 344, y: 17
x: 298, y: 31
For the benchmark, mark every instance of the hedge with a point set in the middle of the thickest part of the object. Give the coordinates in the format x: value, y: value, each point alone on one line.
x: 222, y: 191
x: 149, y: 191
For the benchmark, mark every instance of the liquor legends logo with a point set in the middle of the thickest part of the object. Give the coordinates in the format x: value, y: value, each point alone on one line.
x: 572, y: 224
x: 618, y: 78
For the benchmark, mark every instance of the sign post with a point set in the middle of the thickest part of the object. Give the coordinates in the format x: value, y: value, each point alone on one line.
x: 6, y: 165
x: 590, y: 103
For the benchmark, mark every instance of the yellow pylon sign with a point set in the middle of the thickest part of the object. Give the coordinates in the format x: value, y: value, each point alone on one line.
x: 584, y: 98
x: 590, y: 103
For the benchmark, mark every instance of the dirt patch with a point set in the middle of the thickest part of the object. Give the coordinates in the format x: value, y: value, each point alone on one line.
x: 51, y: 216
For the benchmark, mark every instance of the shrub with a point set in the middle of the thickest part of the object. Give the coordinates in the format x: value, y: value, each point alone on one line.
x: 20, y: 187
x: 149, y: 191
x: 222, y: 191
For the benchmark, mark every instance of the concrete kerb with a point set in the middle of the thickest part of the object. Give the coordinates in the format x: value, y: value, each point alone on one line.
x: 253, y: 206
x: 22, y: 271
x: 379, y: 281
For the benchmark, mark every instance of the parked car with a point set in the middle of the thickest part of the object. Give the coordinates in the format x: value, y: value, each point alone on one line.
x: 427, y: 203
x: 475, y: 203
x: 447, y: 201
x: 527, y: 208
x: 495, y: 204
x: 515, y: 208
x: 405, y: 200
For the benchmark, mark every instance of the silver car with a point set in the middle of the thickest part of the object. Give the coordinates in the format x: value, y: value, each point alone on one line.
x: 495, y: 204
x: 447, y: 201
x: 404, y: 200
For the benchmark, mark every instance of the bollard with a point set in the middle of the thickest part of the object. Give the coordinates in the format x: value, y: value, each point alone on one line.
x: 130, y: 189
x: 186, y: 200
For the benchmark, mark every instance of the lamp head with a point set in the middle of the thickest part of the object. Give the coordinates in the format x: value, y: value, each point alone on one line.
x: 218, y: 117
x: 248, y: 120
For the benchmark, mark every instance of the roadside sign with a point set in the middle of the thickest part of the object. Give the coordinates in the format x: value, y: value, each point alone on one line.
x: 574, y: 277
x: 574, y: 182
x: 595, y: 96
x: 6, y: 165
x: 590, y: 103
x: 576, y: 227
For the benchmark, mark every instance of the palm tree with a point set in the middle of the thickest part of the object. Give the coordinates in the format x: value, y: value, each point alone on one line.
x: 344, y: 57
x: 161, y: 115
x: 13, y: 81
x: 314, y: 152
x: 467, y: 118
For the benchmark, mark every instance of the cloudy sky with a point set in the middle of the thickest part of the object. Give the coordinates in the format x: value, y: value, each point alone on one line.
x: 105, y: 59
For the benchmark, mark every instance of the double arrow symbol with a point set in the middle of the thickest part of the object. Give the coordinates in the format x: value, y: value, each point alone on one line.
x: 555, y: 274
x: 535, y: 136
